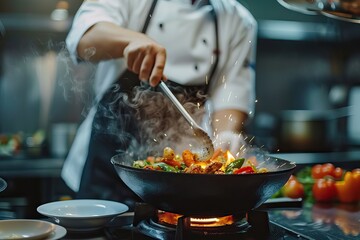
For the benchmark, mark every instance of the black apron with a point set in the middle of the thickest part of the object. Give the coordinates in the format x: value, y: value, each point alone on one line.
x: 115, y: 128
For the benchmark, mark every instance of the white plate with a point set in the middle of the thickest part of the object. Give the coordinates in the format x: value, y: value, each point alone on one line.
x: 25, y: 229
x: 58, y: 233
x: 82, y: 214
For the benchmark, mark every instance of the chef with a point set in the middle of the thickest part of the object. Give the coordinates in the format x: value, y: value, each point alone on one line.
x: 204, y: 51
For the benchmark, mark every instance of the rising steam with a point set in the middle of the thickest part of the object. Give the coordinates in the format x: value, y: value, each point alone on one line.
x: 158, y: 123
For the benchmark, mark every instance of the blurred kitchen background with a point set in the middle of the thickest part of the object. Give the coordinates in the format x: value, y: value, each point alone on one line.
x: 307, y: 84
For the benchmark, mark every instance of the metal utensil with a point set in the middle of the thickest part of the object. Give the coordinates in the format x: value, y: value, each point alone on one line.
x: 206, y: 150
x: 346, y: 10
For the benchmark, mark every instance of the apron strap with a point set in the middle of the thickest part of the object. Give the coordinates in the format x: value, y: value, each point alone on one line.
x: 148, y: 18
x: 216, y: 50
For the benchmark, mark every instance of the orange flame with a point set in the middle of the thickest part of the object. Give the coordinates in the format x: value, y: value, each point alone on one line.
x: 229, y: 158
x: 172, y: 218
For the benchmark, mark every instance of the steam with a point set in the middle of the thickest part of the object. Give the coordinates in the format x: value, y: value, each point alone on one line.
x: 76, y: 78
x: 156, y: 121
x: 142, y: 120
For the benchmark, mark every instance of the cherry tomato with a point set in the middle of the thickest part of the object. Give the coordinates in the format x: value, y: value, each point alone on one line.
x: 327, y: 169
x: 293, y: 188
x: 316, y: 172
x: 324, y: 190
x: 338, y: 173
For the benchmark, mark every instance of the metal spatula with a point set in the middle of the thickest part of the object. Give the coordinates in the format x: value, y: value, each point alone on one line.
x: 206, y: 149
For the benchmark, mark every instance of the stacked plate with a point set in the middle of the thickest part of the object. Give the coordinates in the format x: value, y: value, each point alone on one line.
x: 30, y: 230
x: 82, y: 214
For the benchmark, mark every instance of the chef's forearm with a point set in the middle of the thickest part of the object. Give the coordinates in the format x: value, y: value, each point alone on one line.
x: 105, y: 41
x: 228, y: 120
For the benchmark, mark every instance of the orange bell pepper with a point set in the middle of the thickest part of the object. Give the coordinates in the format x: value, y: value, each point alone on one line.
x: 348, y: 189
x: 356, y: 177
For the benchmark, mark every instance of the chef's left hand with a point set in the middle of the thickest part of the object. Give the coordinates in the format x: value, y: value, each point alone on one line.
x: 228, y: 140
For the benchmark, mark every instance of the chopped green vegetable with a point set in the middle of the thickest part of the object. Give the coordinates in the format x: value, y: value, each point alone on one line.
x: 234, y: 164
x: 140, y: 164
x: 165, y: 167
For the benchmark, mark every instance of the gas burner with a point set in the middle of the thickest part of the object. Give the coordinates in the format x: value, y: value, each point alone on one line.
x: 168, y: 218
x: 169, y: 226
x: 146, y: 224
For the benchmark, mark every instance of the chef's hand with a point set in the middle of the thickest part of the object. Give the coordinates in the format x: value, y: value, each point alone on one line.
x: 146, y: 58
x: 228, y: 140
x: 143, y: 56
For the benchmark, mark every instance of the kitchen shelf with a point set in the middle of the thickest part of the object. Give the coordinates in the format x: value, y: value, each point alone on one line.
x: 347, y: 159
x: 307, y: 31
x: 32, y: 22
x: 44, y: 167
x: 295, y: 31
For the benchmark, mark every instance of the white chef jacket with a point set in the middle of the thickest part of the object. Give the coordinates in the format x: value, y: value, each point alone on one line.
x: 188, y: 34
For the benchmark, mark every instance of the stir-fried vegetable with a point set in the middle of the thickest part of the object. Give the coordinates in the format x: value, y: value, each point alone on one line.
x: 220, y: 163
x: 235, y: 164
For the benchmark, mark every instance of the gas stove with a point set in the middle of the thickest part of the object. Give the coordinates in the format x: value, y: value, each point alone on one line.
x: 146, y: 224
x: 271, y: 221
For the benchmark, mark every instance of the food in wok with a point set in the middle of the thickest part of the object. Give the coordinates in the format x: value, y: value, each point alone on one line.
x: 222, y: 162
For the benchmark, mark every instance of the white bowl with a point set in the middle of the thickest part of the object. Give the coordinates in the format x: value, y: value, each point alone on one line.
x: 82, y: 214
x: 25, y: 229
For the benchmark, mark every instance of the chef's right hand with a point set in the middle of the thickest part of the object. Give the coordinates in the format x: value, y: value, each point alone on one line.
x: 146, y: 58
x: 228, y: 140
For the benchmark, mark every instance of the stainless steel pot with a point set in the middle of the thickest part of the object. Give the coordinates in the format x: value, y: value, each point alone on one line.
x: 310, y: 130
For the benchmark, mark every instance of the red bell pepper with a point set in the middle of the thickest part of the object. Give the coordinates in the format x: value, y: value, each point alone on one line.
x: 244, y: 170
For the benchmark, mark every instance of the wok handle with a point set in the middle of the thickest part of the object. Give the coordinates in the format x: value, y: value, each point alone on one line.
x: 278, y: 203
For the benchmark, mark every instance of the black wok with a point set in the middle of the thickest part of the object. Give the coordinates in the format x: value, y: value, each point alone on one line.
x: 204, y: 194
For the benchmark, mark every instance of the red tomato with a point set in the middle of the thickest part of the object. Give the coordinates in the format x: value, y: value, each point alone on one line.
x: 327, y: 169
x: 324, y: 190
x: 316, y: 171
x: 293, y: 188
x: 338, y: 173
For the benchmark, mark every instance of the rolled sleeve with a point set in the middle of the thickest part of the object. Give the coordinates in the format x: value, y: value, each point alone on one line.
x: 90, y: 13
